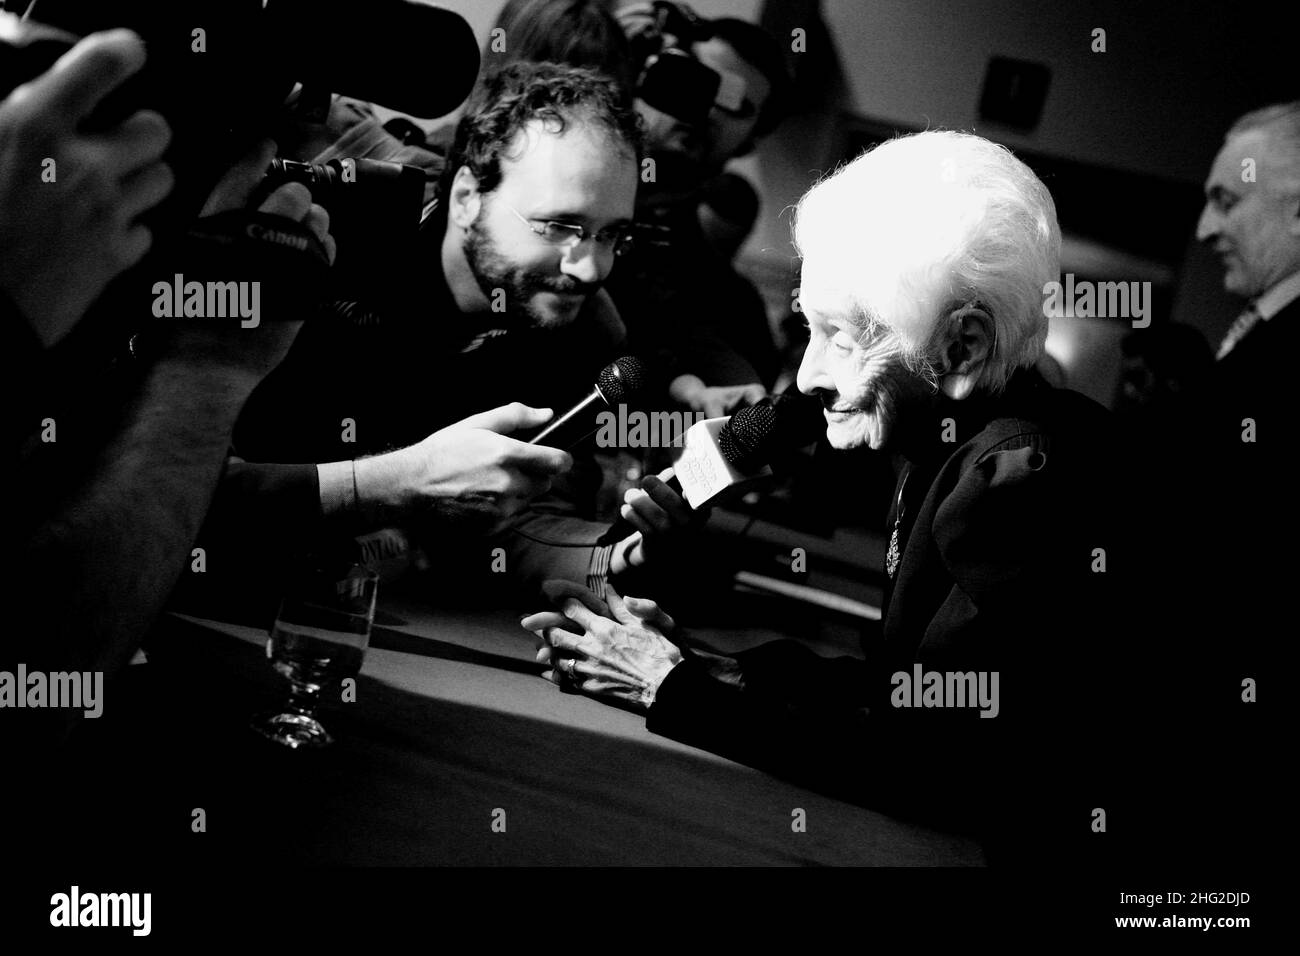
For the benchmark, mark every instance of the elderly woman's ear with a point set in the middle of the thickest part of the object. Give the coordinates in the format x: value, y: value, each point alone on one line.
x: 966, y: 345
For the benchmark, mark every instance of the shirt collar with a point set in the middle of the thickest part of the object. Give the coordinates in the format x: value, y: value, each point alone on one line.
x: 1279, y: 297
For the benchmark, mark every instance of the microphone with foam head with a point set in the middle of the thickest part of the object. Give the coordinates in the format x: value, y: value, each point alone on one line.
x: 722, y: 458
x: 776, y: 424
x: 618, y: 381
x: 731, y: 455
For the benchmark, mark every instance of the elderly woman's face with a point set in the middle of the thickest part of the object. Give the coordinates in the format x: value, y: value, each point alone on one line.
x: 864, y: 384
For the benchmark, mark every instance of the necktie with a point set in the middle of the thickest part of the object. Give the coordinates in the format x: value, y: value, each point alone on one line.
x: 1244, y: 323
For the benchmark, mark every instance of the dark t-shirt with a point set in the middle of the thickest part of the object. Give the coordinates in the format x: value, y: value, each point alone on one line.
x: 403, y: 371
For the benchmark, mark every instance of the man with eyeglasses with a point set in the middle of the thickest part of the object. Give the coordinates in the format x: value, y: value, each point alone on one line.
x: 395, y: 415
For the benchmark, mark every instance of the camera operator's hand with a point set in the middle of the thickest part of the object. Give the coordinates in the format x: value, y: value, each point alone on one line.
x: 65, y: 239
x: 467, y: 470
x: 714, y: 401
x: 292, y: 200
x: 251, y: 351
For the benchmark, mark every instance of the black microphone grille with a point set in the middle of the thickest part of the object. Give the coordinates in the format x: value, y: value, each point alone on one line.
x: 746, y: 439
x: 621, y: 379
x: 753, y: 436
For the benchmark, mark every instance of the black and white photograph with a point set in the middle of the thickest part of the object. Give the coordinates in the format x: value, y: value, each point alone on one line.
x: 466, y: 439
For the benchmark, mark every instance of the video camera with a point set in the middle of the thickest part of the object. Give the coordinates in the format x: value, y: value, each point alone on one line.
x: 375, y: 212
x: 220, y: 72
x: 672, y: 80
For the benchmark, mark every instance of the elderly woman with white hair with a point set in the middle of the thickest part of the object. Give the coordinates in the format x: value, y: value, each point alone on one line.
x: 924, y: 267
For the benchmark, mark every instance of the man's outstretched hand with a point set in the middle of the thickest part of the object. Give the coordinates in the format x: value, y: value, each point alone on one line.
x: 469, y: 471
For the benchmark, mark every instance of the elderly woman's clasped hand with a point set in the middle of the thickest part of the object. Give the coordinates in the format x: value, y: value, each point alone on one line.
x: 616, y: 650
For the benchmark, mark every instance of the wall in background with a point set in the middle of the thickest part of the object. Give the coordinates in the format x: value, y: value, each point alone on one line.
x: 1156, y: 104
x: 1173, y: 75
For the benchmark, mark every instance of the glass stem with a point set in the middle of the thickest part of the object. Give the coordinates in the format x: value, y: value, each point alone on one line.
x: 303, y: 697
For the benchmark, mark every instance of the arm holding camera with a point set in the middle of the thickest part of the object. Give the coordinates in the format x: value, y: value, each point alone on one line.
x: 101, y: 568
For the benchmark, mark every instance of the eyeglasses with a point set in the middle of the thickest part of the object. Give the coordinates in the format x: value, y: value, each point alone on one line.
x: 619, y: 238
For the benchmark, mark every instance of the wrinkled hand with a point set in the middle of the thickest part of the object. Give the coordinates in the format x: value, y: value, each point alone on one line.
x: 717, y: 400
x: 65, y: 240
x: 617, y: 650
x: 664, y: 521
x: 470, y: 470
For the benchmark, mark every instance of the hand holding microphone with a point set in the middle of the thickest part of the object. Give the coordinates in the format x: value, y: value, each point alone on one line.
x: 717, y: 460
x: 660, y: 516
x: 471, y: 470
x: 478, y: 470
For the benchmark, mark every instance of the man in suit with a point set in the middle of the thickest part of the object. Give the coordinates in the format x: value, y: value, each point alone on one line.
x: 1224, y: 476
x: 1224, y: 447
x: 1211, y: 517
x: 1251, y: 220
x: 924, y: 264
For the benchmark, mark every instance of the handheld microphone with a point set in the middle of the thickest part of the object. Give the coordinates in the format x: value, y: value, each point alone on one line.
x: 724, y: 457
x: 618, y: 381
x: 731, y: 455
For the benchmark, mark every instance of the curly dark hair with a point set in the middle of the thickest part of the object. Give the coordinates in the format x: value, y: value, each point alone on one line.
x: 523, y: 92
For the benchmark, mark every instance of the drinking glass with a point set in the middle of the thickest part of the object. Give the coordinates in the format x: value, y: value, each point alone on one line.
x: 319, y: 638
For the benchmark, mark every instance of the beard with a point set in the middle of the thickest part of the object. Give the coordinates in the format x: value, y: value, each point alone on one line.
x: 527, y: 304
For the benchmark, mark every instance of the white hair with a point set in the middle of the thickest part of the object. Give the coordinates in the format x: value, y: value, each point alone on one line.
x: 938, y: 220
x: 1280, y: 124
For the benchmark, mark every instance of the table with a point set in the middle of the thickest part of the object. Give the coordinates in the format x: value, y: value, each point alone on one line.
x: 453, y: 730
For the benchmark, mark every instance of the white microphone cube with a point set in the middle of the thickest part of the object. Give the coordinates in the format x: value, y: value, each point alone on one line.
x: 702, y: 470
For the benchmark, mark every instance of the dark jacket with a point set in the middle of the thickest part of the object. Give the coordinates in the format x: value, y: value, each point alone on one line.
x: 997, y: 535
x: 1215, y: 516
